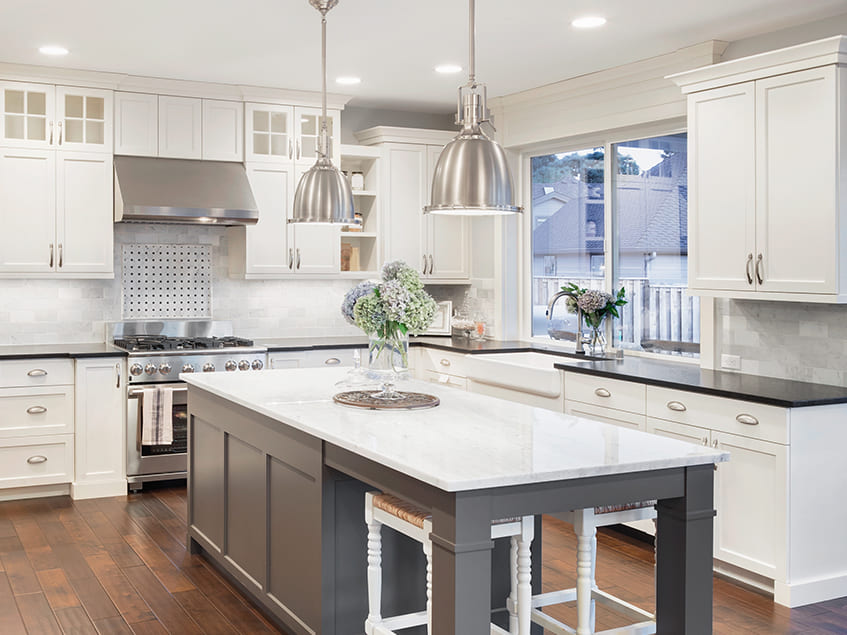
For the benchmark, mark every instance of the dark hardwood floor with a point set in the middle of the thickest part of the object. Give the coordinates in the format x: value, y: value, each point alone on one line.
x: 119, y: 565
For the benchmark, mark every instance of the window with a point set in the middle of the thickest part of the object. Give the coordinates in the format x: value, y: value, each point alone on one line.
x: 648, y: 215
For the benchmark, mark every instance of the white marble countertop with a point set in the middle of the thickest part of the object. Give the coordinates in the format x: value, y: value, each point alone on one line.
x: 468, y: 442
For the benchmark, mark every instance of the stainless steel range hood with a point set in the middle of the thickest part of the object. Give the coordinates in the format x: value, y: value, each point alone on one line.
x: 183, y: 191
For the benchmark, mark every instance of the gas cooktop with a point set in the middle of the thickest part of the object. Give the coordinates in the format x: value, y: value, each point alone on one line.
x: 148, y: 343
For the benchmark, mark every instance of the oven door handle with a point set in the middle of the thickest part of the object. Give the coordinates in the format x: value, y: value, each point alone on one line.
x: 132, y: 394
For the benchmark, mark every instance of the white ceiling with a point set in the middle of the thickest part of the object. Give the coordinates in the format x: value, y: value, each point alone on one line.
x: 392, y: 45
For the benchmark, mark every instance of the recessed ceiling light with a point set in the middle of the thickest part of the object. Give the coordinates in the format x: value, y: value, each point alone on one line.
x: 589, y: 22
x: 348, y: 81
x: 53, y: 50
x: 448, y: 68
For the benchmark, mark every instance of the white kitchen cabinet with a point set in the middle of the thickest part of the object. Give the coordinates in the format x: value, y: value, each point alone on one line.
x: 56, y: 210
x: 100, y: 391
x: 447, y: 237
x: 622, y: 418
x: 317, y: 358
x: 442, y: 367
x: 307, y: 131
x: 278, y: 133
x: 40, y: 116
x: 223, y: 130
x: 136, y: 124
x: 766, y: 141
x: 180, y: 127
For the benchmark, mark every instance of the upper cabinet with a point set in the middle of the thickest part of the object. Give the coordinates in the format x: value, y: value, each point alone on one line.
x: 766, y: 196
x: 179, y: 127
x: 46, y: 116
x: 277, y: 133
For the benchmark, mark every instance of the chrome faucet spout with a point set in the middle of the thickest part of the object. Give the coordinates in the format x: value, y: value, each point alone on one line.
x: 549, y: 314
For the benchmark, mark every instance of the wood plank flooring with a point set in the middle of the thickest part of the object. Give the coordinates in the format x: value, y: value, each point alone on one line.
x: 120, y: 566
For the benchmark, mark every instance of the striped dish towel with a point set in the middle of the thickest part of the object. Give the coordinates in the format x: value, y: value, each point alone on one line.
x: 157, y: 423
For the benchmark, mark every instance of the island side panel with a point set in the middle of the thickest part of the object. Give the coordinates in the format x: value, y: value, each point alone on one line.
x: 206, y: 483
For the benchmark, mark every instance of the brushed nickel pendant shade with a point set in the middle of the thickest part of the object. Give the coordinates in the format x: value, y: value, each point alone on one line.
x: 472, y: 176
x: 323, y: 194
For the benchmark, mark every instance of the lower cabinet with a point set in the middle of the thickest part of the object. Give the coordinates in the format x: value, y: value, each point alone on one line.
x: 441, y: 367
x: 606, y: 415
x: 41, y: 460
x: 317, y: 358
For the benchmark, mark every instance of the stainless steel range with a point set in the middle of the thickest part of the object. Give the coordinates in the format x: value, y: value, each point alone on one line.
x: 158, y: 353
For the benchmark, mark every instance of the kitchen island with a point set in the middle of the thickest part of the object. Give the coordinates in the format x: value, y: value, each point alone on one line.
x: 268, y: 450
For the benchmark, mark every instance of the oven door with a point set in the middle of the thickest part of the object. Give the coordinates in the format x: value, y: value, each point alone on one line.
x: 150, y: 460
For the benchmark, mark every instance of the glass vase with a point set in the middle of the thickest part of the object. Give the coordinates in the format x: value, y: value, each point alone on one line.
x: 388, y: 362
x: 596, y: 345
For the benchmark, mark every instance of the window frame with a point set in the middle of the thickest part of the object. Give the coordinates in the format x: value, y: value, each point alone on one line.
x: 607, y: 141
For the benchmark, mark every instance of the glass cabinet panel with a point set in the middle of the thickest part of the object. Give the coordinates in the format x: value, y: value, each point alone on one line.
x: 271, y: 136
x: 25, y: 114
x: 84, y: 120
x: 310, y: 132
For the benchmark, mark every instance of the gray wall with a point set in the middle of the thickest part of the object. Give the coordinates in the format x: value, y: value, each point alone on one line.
x: 354, y: 119
x: 798, y: 34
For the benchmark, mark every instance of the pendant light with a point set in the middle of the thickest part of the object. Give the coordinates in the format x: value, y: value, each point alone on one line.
x: 472, y: 176
x: 323, y: 194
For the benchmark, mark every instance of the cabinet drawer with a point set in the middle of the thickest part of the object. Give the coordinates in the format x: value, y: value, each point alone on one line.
x: 756, y: 421
x: 36, y: 411
x: 445, y: 380
x: 335, y: 357
x: 607, y: 393
x: 606, y: 415
x: 444, y: 362
x: 36, y: 372
x: 37, y: 461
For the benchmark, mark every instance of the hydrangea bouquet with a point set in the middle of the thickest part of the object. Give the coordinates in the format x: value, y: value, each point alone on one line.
x: 595, y: 306
x: 390, y: 311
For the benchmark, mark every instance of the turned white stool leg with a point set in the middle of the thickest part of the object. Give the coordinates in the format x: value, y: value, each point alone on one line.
x: 591, y: 620
x: 513, y: 585
x: 427, y: 548
x: 585, y: 532
x: 374, y: 570
x: 524, y: 577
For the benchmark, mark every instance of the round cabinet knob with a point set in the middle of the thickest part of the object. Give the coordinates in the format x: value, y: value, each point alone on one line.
x: 208, y: 367
x: 150, y: 369
x: 243, y: 365
x: 230, y: 365
x: 164, y: 368
x: 136, y: 369
x: 257, y: 364
x: 188, y: 368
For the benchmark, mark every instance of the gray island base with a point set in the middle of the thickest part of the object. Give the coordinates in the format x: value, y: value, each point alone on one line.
x: 276, y: 498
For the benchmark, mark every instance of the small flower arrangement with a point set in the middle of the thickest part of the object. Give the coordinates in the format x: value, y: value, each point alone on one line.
x: 595, y: 305
x: 390, y: 310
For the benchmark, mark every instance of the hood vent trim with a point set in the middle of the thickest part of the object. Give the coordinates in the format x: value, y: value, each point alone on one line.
x: 154, y: 190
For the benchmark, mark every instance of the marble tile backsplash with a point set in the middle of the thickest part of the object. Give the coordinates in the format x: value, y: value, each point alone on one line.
x: 52, y: 311
x: 789, y: 340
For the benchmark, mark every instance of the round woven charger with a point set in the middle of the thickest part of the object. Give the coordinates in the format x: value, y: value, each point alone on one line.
x: 366, y: 399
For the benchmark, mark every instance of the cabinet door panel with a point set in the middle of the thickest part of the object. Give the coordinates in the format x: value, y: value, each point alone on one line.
x: 180, y: 127
x: 223, y: 130
x: 447, y: 236
x: 137, y: 124
x: 84, y: 225
x: 405, y: 196
x: 797, y: 181
x: 246, y: 517
x: 750, y: 495
x: 206, y: 473
x: 27, y: 210
x: 270, y: 133
x: 606, y: 415
x: 266, y: 242
x: 307, y: 125
x: 85, y: 118
x: 28, y: 115
x: 681, y: 431
x: 721, y: 126
x: 316, y: 248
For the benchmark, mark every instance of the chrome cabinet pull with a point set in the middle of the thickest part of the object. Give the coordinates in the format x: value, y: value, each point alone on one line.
x: 332, y: 361
x: 38, y: 458
x: 61, y: 259
x: 715, y: 443
x: 759, y: 268
x: 59, y: 125
x: 290, y: 258
x: 445, y: 362
x: 678, y: 406
x: 298, y: 148
x: 36, y: 410
x: 423, y: 271
x: 51, y: 255
x: 430, y: 264
x: 50, y: 142
x: 602, y: 392
x: 705, y: 441
x: 37, y: 372
x: 117, y: 375
x: 291, y: 148
x: 747, y: 268
x: 746, y: 419
x: 298, y: 258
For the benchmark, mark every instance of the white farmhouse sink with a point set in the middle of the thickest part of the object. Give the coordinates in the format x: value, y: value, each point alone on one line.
x: 527, y: 372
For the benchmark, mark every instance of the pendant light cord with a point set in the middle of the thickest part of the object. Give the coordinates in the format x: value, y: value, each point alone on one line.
x: 472, y: 39
x: 323, y: 140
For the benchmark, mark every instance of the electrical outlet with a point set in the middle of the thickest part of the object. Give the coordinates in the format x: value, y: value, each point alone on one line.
x: 733, y: 362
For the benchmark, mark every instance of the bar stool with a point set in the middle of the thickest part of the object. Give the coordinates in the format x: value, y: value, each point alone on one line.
x: 405, y: 518
x: 586, y: 592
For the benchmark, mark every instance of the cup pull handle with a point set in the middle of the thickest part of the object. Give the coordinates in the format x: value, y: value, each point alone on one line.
x: 746, y: 419
x: 36, y: 410
x: 332, y: 361
x: 35, y: 460
x: 678, y: 406
x: 37, y: 372
x: 445, y: 362
x: 602, y: 392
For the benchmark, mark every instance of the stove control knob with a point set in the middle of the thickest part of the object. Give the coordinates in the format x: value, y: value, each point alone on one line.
x: 164, y: 368
x: 136, y: 369
x: 243, y: 365
x: 187, y: 368
x: 150, y: 369
x: 208, y: 367
x: 257, y: 364
x: 230, y: 365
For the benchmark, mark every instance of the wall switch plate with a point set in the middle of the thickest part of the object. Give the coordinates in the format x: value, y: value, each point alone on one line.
x: 733, y: 362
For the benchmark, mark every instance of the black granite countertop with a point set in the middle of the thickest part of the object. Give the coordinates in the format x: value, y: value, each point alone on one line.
x: 89, y: 349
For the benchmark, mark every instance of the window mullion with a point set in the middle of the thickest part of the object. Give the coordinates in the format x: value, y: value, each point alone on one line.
x: 611, y: 241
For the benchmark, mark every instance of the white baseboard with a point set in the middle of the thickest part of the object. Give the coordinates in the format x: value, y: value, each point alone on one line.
x: 98, y: 489
x: 810, y: 591
x: 36, y: 491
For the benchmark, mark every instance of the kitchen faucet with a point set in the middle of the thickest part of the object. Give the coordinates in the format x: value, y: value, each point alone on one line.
x: 579, y: 343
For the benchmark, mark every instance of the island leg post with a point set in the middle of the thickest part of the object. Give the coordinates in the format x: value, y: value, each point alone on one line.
x: 684, y: 557
x: 461, y: 567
